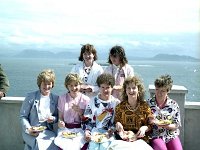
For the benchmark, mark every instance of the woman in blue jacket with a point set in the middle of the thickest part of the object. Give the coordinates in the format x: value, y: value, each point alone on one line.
x: 38, y: 114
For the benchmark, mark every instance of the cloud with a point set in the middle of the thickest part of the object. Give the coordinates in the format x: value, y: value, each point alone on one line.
x: 92, y: 16
x: 66, y: 22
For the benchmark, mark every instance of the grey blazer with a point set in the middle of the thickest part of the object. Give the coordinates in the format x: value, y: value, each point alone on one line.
x: 29, y: 111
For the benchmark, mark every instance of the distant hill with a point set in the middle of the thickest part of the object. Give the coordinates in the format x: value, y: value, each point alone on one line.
x: 169, y: 57
x: 35, y: 54
x: 46, y: 54
x: 75, y: 54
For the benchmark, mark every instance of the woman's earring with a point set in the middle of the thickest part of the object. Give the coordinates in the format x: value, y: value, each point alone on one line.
x: 138, y: 95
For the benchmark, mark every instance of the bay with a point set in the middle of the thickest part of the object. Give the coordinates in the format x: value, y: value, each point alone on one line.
x: 22, y: 74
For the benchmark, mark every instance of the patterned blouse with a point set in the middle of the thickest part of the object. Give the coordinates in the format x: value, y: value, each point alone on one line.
x: 133, y: 119
x: 171, y: 110
x: 99, y: 114
x: 86, y: 73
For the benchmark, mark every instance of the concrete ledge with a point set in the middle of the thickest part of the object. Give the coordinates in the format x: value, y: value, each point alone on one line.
x: 10, y: 128
x: 192, y: 105
x: 191, y: 124
x: 12, y: 99
x: 175, y: 89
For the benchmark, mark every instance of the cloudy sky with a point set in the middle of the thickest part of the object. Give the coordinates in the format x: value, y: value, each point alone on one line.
x: 71, y: 22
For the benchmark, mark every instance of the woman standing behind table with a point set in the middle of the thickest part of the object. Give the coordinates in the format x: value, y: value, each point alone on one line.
x: 165, y: 134
x: 118, y: 68
x: 132, y: 118
x: 88, y: 70
x: 71, y: 107
x: 39, y: 109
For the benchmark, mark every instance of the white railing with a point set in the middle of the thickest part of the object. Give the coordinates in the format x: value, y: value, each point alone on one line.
x: 10, y: 129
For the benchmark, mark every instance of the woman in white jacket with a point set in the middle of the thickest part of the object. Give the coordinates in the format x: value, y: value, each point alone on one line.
x: 88, y: 70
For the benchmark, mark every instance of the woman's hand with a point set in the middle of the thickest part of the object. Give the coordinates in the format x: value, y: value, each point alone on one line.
x: 1, y: 94
x: 117, y: 87
x: 88, y: 90
x: 61, y: 124
x: 85, y: 88
x: 151, y: 120
x: 32, y: 132
x: 141, y: 132
x: 169, y: 126
x: 87, y: 135
x: 77, y: 109
x: 119, y: 127
x: 110, y: 132
x: 51, y: 119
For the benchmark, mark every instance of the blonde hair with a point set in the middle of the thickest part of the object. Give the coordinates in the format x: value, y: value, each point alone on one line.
x: 46, y: 75
x: 72, y: 77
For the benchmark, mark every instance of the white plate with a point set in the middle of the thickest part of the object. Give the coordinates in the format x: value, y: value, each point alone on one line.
x: 39, y: 128
x: 69, y: 135
x: 99, y: 137
x: 128, y: 136
x: 163, y: 122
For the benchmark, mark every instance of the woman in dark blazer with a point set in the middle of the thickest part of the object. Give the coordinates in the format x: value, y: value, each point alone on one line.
x: 39, y: 113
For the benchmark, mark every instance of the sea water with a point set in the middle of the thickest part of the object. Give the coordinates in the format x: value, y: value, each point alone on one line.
x: 23, y: 72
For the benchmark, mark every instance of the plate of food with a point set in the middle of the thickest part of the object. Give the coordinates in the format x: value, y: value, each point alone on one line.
x: 67, y: 134
x: 100, y: 137
x: 38, y: 128
x: 128, y: 136
x: 163, y: 122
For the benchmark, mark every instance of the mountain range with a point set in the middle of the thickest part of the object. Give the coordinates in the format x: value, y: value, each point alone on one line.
x: 75, y: 54
x: 135, y: 45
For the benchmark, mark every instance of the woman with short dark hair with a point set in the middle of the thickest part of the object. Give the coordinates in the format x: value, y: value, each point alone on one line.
x: 88, y: 70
